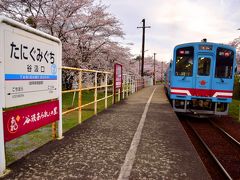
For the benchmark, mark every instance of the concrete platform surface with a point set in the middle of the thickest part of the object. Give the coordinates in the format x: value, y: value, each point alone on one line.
x: 139, y: 138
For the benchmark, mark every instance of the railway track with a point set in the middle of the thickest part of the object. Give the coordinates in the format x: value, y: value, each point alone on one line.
x: 221, y: 146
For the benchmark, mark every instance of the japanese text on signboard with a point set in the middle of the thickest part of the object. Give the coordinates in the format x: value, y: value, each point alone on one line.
x: 24, y: 52
x: 21, y: 121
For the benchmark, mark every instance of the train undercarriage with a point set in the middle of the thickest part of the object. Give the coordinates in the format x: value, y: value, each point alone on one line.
x: 200, y: 106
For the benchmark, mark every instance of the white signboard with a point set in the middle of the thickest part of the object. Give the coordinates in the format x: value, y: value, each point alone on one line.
x: 30, y: 72
x: 30, y: 66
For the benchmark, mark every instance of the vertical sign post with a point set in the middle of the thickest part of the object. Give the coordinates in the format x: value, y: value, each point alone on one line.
x: 2, y: 147
x: 30, y: 72
x: 60, y: 129
x: 117, y: 79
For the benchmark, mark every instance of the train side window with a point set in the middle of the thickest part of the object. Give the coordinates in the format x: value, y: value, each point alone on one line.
x: 204, y: 65
x: 184, y: 61
x: 224, y: 63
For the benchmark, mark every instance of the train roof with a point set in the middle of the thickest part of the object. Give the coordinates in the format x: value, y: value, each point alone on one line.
x: 205, y: 43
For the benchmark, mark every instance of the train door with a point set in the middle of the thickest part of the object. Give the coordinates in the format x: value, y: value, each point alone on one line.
x: 204, y: 75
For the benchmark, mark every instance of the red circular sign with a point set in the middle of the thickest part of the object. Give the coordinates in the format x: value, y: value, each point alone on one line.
x: 202, y: 82
x: 12, y: 125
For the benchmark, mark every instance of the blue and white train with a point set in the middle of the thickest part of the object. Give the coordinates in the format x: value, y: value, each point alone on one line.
x: 200, y: 78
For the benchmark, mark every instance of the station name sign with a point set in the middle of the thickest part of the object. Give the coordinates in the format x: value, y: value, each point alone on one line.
x: 30, y: 80
x: 30, y: 67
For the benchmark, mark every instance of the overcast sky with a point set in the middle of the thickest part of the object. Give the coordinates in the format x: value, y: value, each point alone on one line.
x: 176, y: 21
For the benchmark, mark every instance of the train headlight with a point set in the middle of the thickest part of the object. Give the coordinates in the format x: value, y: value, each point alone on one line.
x: 182, y: 103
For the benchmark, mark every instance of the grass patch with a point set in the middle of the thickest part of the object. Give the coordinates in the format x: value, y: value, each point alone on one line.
x: 23, y: 145
x: 234, y: 109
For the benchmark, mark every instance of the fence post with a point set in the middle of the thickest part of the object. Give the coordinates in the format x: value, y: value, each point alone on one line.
x: 139, y: 84
x: 136, y: 83
x: 132, y: 85
x: 127, y: 90
x: 113, y: 94
x: 80, y: 97
x: 106, y: 90
x: 123, y: 87
x: 54, y: 133
x: 239, y: 113
x: 133, y: 79
x: 119, y: 94
x: 95, y: 94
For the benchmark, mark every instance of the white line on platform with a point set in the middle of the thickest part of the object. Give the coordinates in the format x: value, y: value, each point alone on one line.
x: 131, y: 154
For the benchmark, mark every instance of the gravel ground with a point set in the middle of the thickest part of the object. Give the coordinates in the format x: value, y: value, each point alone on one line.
x: 165, y: 151
x: 96, y: 149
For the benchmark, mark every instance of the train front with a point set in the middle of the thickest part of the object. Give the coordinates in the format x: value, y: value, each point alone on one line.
x: 202, y: 78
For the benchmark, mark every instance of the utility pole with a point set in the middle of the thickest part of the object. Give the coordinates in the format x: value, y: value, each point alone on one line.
x: 143, y: 43
x: 154, y: 70
x: 139, y: 67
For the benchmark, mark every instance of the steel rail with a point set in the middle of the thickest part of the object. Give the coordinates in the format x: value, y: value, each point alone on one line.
x: 223, y: 131
x: 210, y: 152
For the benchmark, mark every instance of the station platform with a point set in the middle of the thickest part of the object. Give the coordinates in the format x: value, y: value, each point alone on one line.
x: 138, y: 138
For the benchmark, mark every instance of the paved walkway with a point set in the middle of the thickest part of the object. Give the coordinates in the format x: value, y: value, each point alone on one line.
x: 131, y: 140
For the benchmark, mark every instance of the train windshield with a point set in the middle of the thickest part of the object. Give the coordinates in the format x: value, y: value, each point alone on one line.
x: 224, y: 63
x: 184, y: 61
x: 204, y: 64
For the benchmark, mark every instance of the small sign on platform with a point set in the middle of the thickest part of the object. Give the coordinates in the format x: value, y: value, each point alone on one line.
x: 117, y: 79
x: 117, y: 76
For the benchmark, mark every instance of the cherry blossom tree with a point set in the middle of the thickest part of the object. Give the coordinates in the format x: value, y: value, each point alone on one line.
x: 160, y: 68
x: 85, y: 28
x: 236, y: 43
